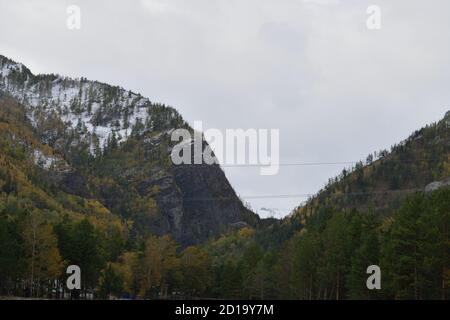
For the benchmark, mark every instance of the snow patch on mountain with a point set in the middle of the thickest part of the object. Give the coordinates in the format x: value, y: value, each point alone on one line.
x: 44, y: 161
x: 95, y: 110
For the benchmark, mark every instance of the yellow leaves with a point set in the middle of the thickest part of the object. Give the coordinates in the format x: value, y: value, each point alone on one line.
x: 195, y: 258
x: 97, y: 209
x: 97, y: 214
x: 446, y: 277
x: 387, y: 223
x: 160, y: 258
x: 104, y: 220
x: 55, y: 263
x: 246, y: 233
x: 230, y: 244
x: 43, y: 257
x: 195, y: 267
x: 155, y: 190
x: 105, y: 182
x: 146, y: 205
x: 126, y: 269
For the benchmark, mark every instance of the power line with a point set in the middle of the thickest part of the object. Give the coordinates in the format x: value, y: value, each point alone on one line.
x: 267, y: 196
x: 305, y: 195
x: 312, y: 163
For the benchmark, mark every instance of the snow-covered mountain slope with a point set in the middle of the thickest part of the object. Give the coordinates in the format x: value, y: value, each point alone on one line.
x: 97, y: 112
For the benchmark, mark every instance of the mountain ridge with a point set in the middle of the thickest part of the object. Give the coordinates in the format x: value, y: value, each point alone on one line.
x: 115, y: 210
x: 117, y: 145
x: 101, y: 109
x: 388, y: 176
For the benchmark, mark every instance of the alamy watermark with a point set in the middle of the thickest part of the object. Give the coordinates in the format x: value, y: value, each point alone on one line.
x: 73, y: 21
x: 232, y: 147
x: 74, y: 280
x: 374, y: 20
x: 374, y: 280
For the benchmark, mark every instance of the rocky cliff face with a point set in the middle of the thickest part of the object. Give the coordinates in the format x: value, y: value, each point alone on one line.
x: 112, y: 145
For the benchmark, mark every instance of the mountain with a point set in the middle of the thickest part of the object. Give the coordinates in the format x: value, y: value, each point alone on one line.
x: 391, y: 211
x: 86, y: 179
x: 100, y: 143
x: 386, y: 177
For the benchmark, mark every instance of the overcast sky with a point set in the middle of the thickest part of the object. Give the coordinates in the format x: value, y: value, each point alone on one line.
x: 311, y: 68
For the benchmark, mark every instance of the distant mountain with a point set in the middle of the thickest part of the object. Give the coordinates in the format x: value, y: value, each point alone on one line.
x: 102, y: 144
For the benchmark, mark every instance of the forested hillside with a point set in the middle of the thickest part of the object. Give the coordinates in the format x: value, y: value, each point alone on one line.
x: 393, y: 210
x: 33, y: 210
x: 117, y: 147
x: 386, y: 177
x: 86, y: 179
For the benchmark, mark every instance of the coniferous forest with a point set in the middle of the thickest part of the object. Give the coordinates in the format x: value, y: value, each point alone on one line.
x: 115, y: 209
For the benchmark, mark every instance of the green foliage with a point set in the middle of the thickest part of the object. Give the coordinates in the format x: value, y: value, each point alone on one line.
x: 11, y: 253
x: 411, y: 247
x: 105, y: 223
x: 416, y: 248
x: 80, y: 244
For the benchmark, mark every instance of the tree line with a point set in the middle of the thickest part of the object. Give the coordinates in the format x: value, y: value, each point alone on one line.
x: 326, y: 258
